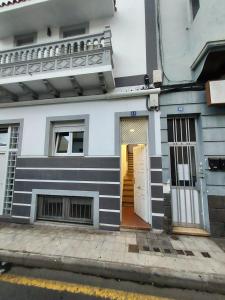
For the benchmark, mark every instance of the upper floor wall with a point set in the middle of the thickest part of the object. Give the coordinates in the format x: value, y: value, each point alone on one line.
x: 185, y: 33
x: 127, y: 25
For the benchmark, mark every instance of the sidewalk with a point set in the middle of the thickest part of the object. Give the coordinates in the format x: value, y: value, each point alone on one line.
x: 180, y: 261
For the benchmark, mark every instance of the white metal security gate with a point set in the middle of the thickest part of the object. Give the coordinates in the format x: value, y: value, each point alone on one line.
x: 186, y: 204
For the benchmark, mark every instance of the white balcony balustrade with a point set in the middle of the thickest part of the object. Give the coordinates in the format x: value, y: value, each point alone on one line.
x: 79, y: 63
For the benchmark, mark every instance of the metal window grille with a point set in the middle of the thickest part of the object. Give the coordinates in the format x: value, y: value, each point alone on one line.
x: 182, y: 142
x: 11, y: 168
x: 134, y: 131
x: 65, y: 209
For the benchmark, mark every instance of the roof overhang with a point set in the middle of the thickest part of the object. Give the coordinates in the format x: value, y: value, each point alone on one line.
x: 201, y: 63
x: 38, y: 14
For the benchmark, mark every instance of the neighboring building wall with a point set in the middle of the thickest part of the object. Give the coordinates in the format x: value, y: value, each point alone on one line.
x: 182, y: 39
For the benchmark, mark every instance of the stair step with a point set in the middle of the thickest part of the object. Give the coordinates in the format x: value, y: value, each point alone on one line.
x: 128, y: 204
x: 128, y: 193
x: 128, y: 199
x: 129, y: 187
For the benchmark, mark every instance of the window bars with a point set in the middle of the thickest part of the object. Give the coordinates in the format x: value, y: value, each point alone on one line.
x: 65, y: 209
x: 11, y: 168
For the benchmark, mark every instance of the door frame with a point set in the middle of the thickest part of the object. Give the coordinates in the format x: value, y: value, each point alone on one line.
x: 118, y: 117
x: 5, y: 151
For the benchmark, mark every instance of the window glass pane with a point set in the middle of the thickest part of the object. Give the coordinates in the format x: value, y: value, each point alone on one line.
x: 3, y: 137
x: 70, y: 32
x: 24, y: 40
x: 78, y: 142
x: 195, y: 7
x: 192, y: 130
x: 63, y: 142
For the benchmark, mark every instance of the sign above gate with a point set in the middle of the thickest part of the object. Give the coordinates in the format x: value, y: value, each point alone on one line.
x: 215, y: 92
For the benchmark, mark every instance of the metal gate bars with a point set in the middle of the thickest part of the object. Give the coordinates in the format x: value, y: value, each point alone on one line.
x: 184, y: 180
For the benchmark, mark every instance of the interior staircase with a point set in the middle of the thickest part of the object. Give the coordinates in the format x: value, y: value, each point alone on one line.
x: 128, y: 183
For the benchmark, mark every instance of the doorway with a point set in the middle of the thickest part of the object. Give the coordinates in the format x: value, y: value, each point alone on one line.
x: 135, y: 203
x: 185, y: 182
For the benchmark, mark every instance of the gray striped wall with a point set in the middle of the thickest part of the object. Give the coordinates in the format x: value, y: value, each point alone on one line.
x: 36, y: 173
x: 157, y: 192
x: 211, y: 138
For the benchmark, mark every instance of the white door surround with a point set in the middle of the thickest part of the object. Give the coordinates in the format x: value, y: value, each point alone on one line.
x: 3, y: 171
x: 135, y: 131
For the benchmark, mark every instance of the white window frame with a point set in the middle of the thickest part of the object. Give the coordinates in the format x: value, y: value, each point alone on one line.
x: 70, y: 128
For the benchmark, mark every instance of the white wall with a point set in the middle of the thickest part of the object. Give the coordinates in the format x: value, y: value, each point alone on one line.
x: 101, y: 127
x: 128, y: 30
x: 128, y: 36
x: 184, y: 38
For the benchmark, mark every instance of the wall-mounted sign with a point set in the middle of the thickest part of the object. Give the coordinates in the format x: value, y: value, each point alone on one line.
x: 215, y: 92
x: 180, y: 109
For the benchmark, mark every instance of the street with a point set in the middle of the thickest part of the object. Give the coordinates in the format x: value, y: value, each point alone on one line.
x: 28, y: 283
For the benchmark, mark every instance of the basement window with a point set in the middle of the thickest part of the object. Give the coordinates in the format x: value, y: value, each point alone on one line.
x: 69, y: 140
x: 65, y: 209
x: 195, y: 5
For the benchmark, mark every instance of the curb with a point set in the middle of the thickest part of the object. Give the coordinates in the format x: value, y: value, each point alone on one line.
x: 162, y: 277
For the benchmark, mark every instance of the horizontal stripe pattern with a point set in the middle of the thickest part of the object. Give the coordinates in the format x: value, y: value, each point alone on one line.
x: 110, y: 189
x: 101, y: 174
x: 69, y: 162
x: 157, y: 192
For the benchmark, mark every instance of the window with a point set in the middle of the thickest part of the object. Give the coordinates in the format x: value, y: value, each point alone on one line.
x: 26, y: 39
x: 65, y: 209
x: 3, y: 137
x: 195, y: 5
x: 74, y: 30
x: 69, y: 140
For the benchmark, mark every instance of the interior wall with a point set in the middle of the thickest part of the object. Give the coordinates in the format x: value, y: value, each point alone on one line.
x: 124, y: 166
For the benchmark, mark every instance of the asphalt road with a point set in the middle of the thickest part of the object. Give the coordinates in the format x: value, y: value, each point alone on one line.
x: 35, y: 284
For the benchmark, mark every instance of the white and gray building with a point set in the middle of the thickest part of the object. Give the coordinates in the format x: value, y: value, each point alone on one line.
x: 73, y: 107
x: 112, y: 114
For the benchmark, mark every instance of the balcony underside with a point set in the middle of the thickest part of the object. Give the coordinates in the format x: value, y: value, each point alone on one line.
x: 69, y: 67
x: 51, y: 86
x: 39, y: 14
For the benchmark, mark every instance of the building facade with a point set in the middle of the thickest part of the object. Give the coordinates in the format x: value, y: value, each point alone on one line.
x: 113, y: 121
x: 191, y: 56
x: 78, y: 144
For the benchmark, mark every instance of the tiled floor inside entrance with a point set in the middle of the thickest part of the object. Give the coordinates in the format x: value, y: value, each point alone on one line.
x: 132, y: 221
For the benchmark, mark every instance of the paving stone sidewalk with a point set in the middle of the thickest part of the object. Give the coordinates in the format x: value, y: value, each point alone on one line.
x: 189, y: 255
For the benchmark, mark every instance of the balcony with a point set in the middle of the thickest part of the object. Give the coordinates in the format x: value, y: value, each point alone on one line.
x: 36, y: 15
x: 76, y: 65
x: 207, y: 38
